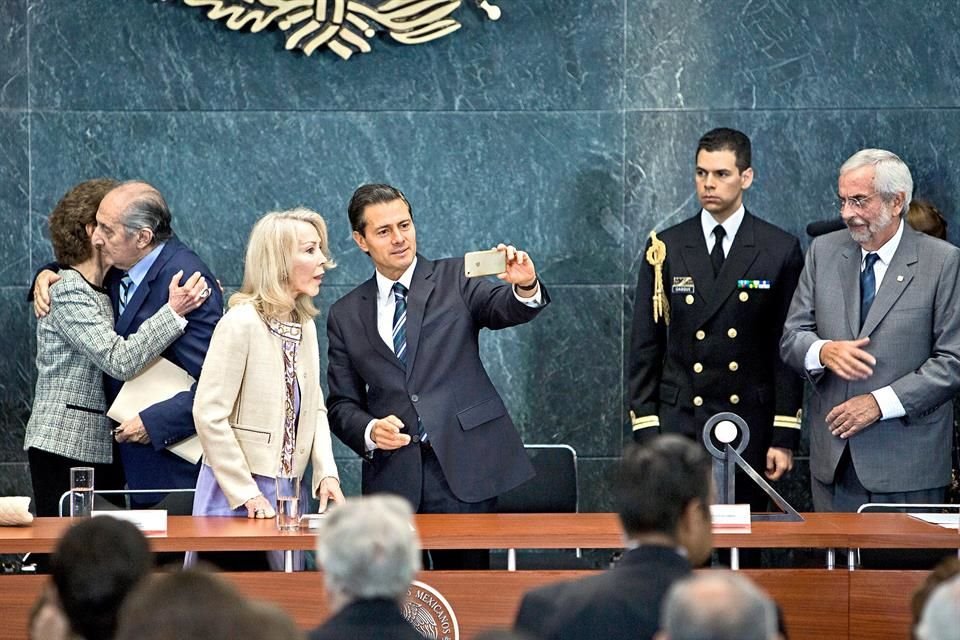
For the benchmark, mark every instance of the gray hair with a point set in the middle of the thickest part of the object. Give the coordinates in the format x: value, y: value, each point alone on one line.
x: 718, y: 605
x: 892, y: 174
x: 368, y: 548
x: 939, y: 618
x: 147, y: 210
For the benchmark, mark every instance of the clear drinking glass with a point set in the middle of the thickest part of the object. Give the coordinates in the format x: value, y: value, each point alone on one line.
x: 288, y: 503
x: 81, y: 491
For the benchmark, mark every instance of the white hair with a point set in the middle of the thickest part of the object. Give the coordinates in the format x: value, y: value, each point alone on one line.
x: 719, y: 605
x: 892, y: 174
x: 368, y: 548
x: 939, y: 618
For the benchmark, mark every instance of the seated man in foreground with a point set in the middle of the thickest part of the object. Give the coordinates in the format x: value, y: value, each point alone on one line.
x: 369, y: 553
x: 664, y: 491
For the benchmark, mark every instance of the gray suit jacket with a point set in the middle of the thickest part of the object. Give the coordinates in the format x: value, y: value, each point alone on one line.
x: 914, y: 331
x: 75, y: 342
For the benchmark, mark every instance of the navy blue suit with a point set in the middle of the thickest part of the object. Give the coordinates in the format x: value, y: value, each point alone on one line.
x: 444, y: 384
x: 151, y: 466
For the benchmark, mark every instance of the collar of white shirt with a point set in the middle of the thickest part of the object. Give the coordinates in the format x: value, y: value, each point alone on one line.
x: 385, y: 284
x: 731, y: 225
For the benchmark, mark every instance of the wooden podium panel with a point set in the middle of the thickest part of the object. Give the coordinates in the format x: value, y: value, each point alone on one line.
x: 880, y: 603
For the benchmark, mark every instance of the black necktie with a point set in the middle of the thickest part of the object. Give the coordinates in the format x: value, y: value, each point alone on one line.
x: 716, y: 256
x: 868, y: 286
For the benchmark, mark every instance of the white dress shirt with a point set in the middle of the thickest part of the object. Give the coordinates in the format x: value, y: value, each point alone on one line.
x: 730, y: 226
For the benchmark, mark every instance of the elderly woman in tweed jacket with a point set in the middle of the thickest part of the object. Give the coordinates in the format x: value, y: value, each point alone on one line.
x: 76, y: 342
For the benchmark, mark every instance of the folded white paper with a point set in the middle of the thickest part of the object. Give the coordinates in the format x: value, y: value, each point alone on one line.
x: 160, y: 381
x: 730, y: 518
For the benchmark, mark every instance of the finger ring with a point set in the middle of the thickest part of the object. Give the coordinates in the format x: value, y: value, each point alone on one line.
x: 205, y: 292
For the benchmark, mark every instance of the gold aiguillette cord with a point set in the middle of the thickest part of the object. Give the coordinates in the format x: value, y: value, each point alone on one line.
x: 656, y: 256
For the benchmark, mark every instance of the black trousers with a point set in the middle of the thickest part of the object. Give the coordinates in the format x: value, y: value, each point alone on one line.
x: 50, y: 476
x: 437, y: 497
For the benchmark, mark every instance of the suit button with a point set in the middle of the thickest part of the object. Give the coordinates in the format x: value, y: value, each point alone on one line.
x: 414, y: 439
x: 731, y: 333
x: 688, y: 299
x: 415, y: 398
x: 302, y: 451
x: 697, y: 367
x: 701, y: 334
x: 733, y: 366
x: 744, y: 296
x: 734, y: 399
x: 697, y: 401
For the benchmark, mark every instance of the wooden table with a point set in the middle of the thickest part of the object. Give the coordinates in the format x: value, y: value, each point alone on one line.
x: 817, y: 603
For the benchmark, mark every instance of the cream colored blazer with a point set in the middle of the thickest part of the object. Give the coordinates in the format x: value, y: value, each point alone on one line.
x: 239, y: 406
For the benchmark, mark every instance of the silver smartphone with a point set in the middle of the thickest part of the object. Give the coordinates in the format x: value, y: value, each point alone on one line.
x: 484, y: 263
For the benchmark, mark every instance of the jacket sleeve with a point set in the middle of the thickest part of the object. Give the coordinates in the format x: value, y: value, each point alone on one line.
x: 648, y: 343
x: 348, y: 417
x: 78, y: 318
x: 800, y: 327
x: 324, y: 464
x: 788, y: 385
x: 216, y: 394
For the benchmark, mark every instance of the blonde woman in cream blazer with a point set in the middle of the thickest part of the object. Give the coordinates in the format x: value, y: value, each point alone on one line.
x: 259, y: 408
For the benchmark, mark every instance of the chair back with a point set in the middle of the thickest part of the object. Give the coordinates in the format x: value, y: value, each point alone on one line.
x: 554, y: 488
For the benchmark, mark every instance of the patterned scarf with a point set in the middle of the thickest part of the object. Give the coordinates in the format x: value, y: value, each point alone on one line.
x: 290, y: 334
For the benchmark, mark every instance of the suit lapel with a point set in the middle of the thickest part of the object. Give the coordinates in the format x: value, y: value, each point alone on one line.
x: 421, y: 287
x: 143, y: 289
x: 895, y: 281
x: 743, y: 253
x: 849, y: 272
x: 368, y: 318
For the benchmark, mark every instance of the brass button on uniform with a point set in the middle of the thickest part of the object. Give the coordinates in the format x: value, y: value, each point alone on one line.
x: 697, y: 401
x: 734, y: 399
x: 689, y: 299
x: 744, y: 296
x: 701, y: 334
x: 731, y: 333
x: 733, y: 366
x: 697, y: 367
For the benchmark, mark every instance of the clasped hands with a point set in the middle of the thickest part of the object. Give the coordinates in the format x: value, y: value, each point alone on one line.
x: 848, y: 360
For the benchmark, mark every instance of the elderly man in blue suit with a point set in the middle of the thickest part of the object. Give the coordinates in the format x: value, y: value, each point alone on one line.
x: 408, y: 391
x: 875, y: 327
x: 135, y: 235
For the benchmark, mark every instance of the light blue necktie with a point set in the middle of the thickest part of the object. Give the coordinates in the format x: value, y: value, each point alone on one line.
x: 126, y: 291
x: 868, y: 286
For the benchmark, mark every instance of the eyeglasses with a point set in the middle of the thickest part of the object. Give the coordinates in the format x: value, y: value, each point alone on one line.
x: 856, y: 202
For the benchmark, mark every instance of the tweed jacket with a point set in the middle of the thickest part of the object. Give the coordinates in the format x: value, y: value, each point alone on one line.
x: 75, y: 342
x: 240, y: 401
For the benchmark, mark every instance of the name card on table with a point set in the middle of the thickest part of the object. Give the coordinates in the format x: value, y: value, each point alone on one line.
x: 147, y: 520
x: 730, y: 518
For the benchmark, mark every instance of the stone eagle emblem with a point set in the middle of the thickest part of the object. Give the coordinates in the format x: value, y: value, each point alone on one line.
x: 343, y: 26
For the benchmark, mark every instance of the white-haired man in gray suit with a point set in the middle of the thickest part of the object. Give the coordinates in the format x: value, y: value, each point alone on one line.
x: 875, y: 326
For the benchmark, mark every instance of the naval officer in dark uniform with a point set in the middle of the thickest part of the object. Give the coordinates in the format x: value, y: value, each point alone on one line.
x: 726, y: 281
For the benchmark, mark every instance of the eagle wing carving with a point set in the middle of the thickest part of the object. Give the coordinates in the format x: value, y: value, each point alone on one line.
x: 343, y: 26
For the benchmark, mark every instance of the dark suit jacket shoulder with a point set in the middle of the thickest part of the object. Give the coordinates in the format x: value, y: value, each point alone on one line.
x: 379, y: 618
x: 623, y: 602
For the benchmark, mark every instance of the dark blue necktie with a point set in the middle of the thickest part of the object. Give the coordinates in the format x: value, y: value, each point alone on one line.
x: 868, y: 286
x: 716, y: 256
x: 125, y: 293
x: 400, y: 322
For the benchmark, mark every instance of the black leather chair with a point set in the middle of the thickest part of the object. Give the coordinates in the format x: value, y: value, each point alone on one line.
x: 554, y: 489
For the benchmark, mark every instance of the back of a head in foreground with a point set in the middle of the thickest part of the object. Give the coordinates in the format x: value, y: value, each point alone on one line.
x: 940, y: 619
x: 658, y: 480
x: 96, y: 564
x: 717, y: 605
x: 197, y: 604
x: 369, y: 549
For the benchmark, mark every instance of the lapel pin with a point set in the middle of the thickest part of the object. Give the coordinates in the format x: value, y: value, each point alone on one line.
x: 899, y: 278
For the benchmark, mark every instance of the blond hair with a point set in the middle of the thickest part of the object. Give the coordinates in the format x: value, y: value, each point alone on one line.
x: 267, y: 267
